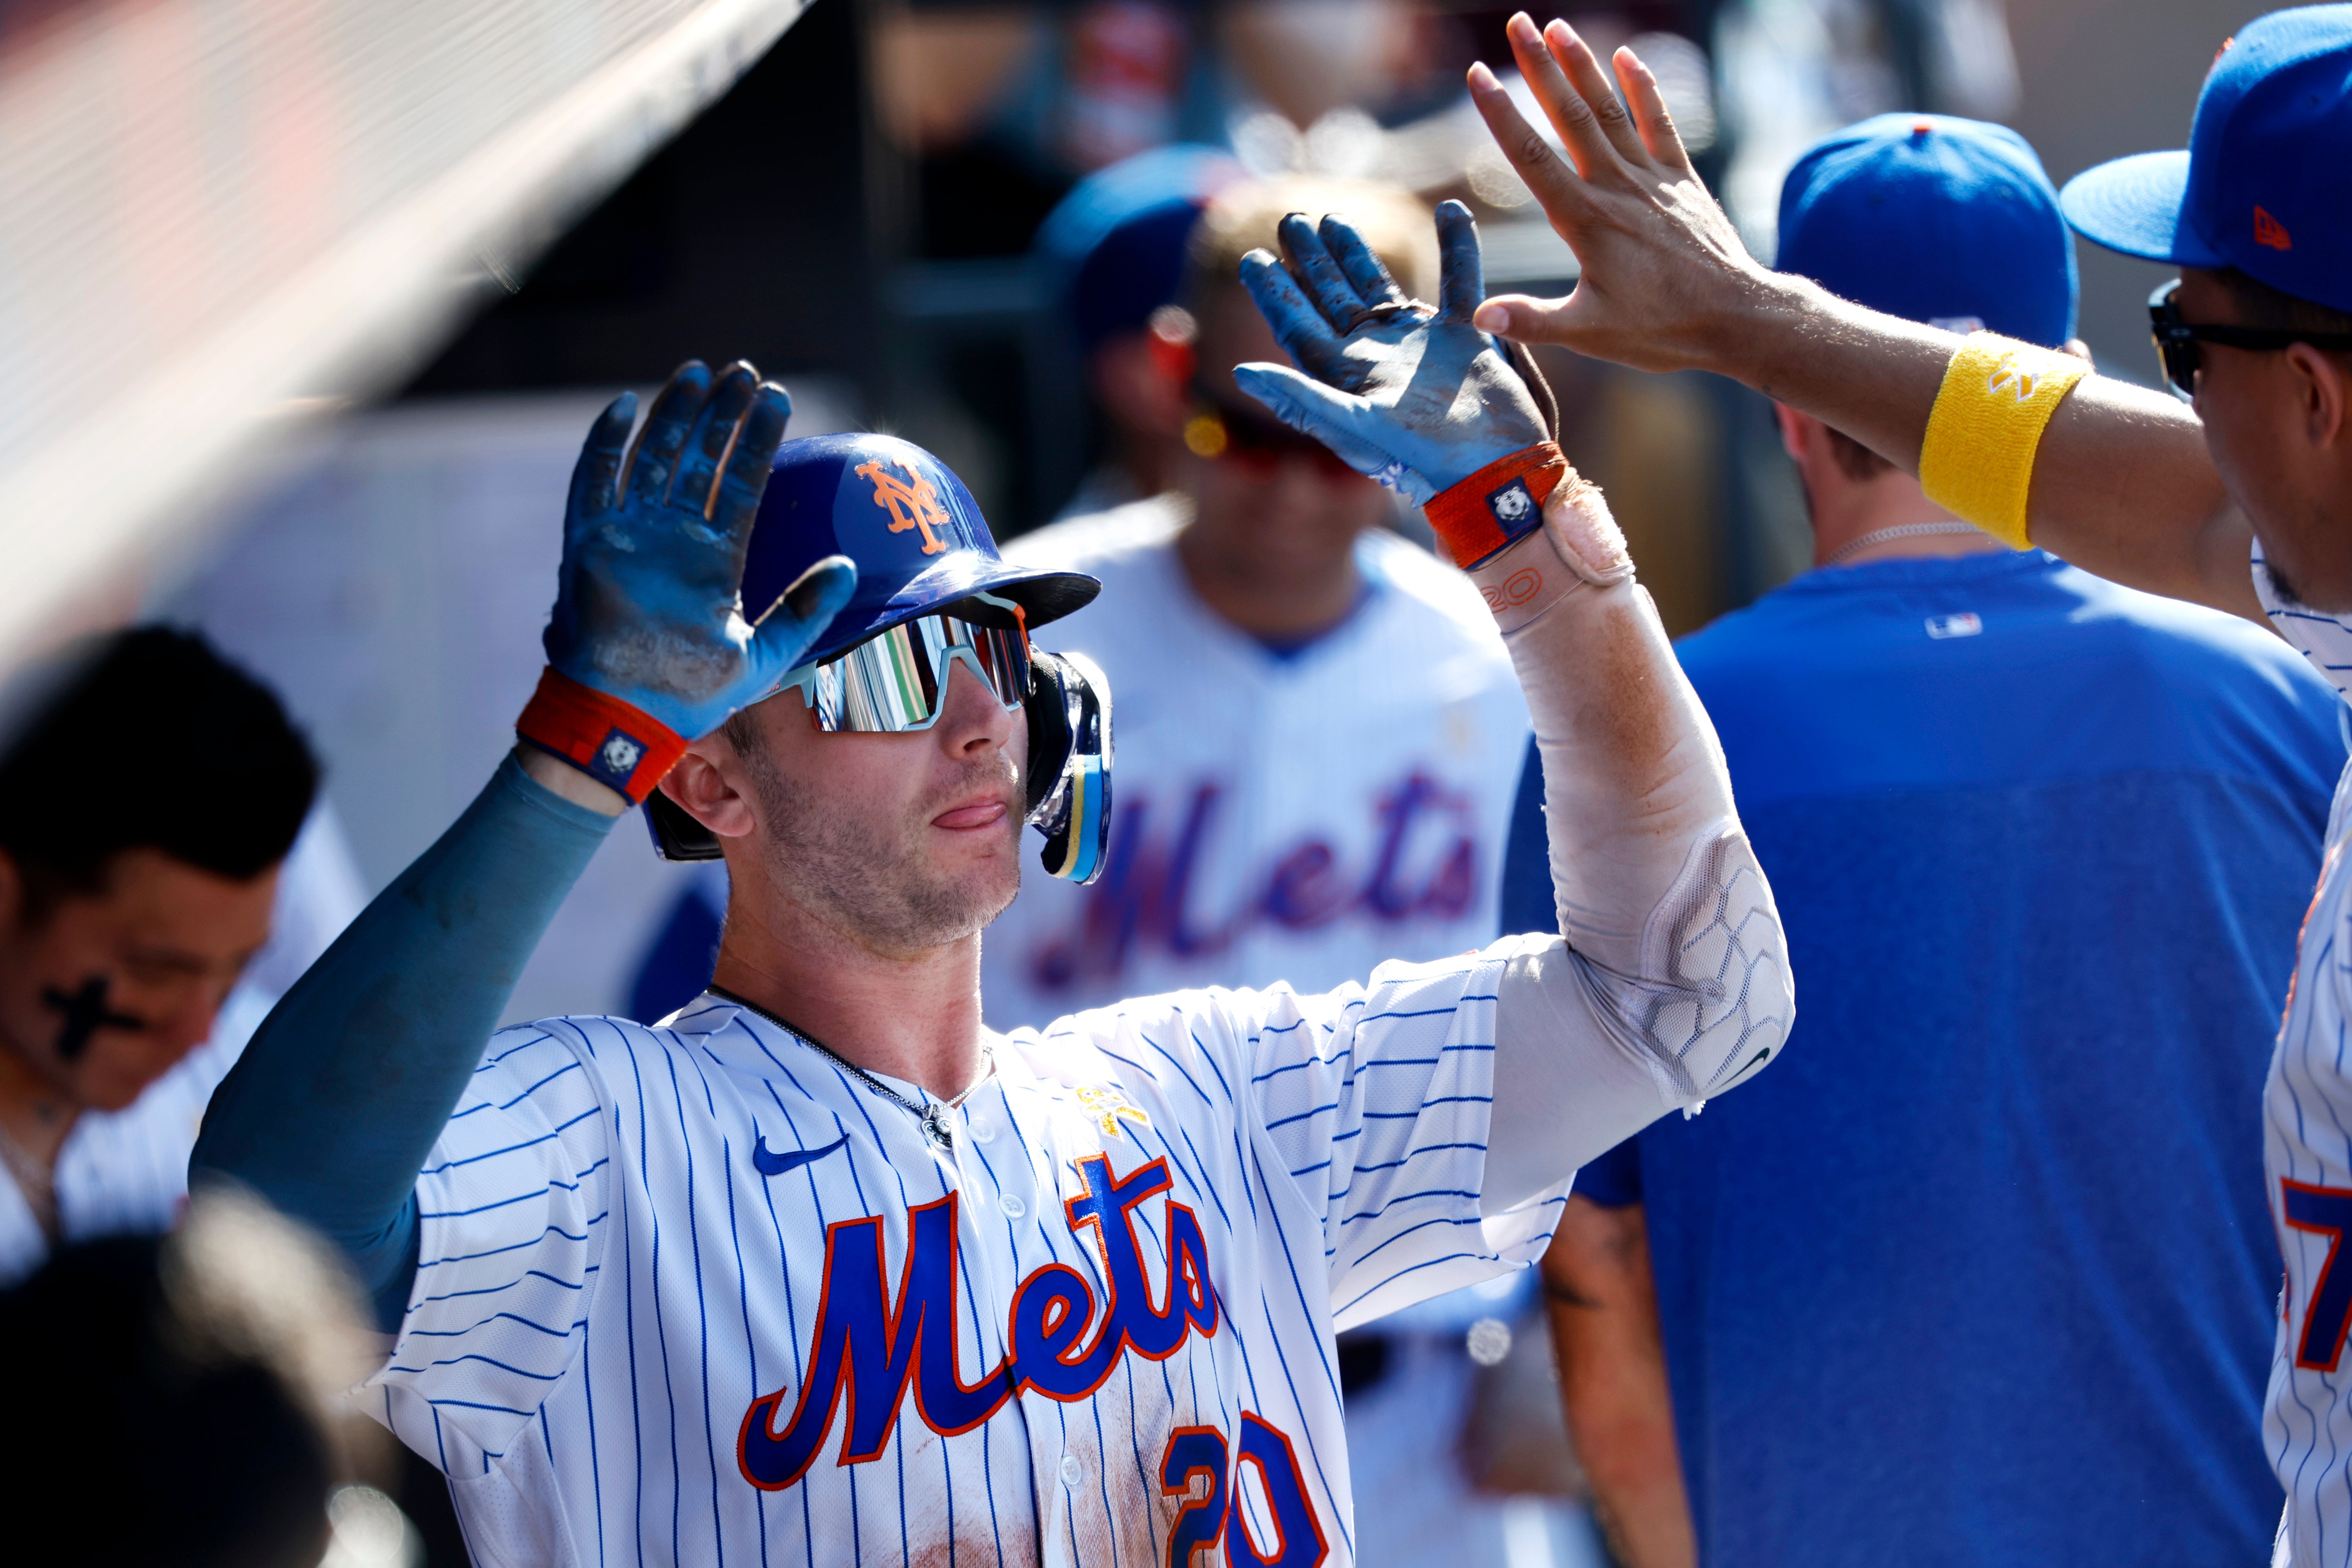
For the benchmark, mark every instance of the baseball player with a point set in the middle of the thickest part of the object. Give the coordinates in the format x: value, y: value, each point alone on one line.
x: 2028, y: 445
x: 130, y: 916
x: 823, y: 1269
x: 1890, y: 719
x: 1111, y: 254
x: 1319, y: 733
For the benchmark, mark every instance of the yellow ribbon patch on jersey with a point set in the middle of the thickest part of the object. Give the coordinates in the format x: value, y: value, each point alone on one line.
x: 1108, y: 1106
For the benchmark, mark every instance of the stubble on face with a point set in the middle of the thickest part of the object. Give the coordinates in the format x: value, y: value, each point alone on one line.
x: 868, y: 873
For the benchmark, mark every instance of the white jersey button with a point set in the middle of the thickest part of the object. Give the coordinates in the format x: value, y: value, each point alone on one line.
x: 982, y: 1130
x: 1072, y: 1472
x: 1014, y: 1209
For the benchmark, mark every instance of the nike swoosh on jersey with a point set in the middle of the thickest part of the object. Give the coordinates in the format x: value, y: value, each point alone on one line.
x: 769, y: 1162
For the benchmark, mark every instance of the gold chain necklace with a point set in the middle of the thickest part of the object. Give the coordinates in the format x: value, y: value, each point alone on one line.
x: 1900, y: 530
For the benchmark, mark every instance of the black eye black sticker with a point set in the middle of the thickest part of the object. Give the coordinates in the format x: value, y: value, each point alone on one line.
x: 85, y: 1015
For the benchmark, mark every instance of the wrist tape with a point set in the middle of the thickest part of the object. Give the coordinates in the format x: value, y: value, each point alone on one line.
x: 1977, y: 461
x: 600, y: 735
x: 1499, y: 504
x: 1578, y: 546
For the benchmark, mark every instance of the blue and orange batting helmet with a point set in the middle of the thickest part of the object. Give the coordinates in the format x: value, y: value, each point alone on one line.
x: 916, y: 534
x: 922, y: 548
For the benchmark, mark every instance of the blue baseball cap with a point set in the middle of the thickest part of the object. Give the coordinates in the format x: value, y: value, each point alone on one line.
x: 2266, y: 184
x: 917, y: 535
x: 1113, y: 250
x: 1936, y: 219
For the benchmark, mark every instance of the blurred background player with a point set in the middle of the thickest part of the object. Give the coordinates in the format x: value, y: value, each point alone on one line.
x: 1112, y: 252
x: 145, y: 814
x: 1310, y: 713
x: 1316, y: 723
x: 238, y: 1335
x: 1950, y: 1289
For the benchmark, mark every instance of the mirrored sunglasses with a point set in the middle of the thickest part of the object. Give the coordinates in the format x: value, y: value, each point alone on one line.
x: 893, y: 682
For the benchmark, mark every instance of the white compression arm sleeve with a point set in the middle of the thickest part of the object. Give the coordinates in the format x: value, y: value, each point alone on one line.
x: 1669, y: 981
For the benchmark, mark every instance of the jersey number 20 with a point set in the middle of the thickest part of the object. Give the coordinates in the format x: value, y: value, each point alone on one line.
x: 1195, y: 1468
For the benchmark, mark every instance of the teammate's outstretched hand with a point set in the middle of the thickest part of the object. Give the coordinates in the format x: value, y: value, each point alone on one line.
x: 1665, y: 276
x: 647, y: 607
x: 1414, y: 396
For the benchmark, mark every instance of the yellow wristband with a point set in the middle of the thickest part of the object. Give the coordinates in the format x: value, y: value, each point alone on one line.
x: 1978, y: 460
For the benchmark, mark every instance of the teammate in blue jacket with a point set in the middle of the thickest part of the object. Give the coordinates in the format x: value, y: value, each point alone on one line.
x: 2019, y: 820
x: 821, y: 1268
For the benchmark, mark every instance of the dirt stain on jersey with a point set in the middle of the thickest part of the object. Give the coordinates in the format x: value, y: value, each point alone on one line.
x: 980, y: 1549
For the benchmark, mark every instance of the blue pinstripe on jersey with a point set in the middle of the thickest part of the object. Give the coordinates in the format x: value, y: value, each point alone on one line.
x: 1346, y: 1130
x: 2308, y: 1415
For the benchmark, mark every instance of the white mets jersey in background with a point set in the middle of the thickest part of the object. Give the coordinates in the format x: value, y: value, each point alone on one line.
x: 1293, y: 818
x: 2308, y: 1154
x: 693, y: 1294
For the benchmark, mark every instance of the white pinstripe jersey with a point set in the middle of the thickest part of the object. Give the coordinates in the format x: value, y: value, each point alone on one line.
x: 694, y: 1294
x: 2307, y: 1157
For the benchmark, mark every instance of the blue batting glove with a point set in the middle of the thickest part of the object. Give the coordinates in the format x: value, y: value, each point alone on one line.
x: 1414, y: 398
x: 647, y: 607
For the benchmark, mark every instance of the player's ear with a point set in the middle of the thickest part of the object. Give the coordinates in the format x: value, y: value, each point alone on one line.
x: 705, y: 783
x: 1793, y: 431
x: 2325, y: 393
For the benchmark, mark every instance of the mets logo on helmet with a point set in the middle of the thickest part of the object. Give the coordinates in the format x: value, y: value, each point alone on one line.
x: 914, y: 504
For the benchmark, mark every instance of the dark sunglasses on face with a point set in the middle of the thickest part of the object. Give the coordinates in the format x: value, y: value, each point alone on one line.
x: 1255, y: 444
x: 2177, y: 341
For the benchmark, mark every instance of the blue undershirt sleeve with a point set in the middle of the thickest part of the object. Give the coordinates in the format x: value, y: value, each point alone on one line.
x: 337, y: 1101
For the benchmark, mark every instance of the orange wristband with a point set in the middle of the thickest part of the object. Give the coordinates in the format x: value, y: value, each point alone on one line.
x: 600, y: 735
x: 1499, y: 505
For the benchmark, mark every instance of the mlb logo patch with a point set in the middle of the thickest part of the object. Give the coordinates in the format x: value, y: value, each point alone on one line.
x: 1514, y: 506
x: 616, y: 759
x: 1963, y: 625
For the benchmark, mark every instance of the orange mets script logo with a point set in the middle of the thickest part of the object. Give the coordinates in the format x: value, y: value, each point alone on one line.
x: 915, y: 505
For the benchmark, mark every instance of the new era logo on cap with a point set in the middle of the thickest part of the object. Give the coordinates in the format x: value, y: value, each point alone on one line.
x: 2274, y: 117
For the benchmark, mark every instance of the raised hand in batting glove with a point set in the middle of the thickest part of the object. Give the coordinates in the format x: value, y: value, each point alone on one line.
x: 650, y: 646
x: 1412, y: 396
